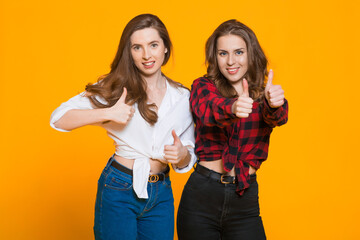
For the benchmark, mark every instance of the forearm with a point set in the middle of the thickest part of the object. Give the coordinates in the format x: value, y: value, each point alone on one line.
x: 76, y: 118
x: 212, y: 109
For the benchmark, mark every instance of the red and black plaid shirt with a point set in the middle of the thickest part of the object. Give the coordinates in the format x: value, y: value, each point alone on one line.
x: 219, y: 134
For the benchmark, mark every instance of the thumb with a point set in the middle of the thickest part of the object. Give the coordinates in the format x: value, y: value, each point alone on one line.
x: 245, y: 85
x: 270, y: 78
x: 176, y: 138
x: 123, y: 95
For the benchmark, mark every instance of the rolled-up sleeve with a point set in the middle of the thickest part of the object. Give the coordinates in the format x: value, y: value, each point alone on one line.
x: 77, y: 102
x: 275, y: 116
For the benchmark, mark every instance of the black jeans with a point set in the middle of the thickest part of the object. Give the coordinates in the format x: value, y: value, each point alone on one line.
x: 212, y: 210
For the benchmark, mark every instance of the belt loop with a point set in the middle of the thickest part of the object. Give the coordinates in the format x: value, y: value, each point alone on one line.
x: 162, y: 173
x: 108, y: 164
x: 195, y: 165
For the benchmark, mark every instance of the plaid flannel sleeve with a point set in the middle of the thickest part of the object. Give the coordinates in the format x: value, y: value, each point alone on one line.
x: 209, y: 106
x: 275, y: 116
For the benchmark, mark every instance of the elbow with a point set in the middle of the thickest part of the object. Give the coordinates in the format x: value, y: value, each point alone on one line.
x: 58, y: 125
x: 285, y: 120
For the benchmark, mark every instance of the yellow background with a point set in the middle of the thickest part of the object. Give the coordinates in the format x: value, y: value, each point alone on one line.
x: 49, y: 50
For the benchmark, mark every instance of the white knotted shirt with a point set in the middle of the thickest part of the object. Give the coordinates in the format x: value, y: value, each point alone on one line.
x: 138, y: 139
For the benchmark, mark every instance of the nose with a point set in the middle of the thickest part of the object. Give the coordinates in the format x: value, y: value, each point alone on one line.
x: 146, y: 54
x: 230, y: 60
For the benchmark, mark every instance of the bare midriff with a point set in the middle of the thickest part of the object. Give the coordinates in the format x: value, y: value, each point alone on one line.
x: 156, y: 166
x: 217, y: 166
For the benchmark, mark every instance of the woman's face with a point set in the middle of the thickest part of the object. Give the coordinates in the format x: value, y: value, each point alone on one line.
x: 148, y: 51
x: 232, y: 57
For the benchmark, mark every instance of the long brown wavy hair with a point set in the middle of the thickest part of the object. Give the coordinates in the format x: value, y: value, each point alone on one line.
x: 257, y: 61
x: 124, y: 72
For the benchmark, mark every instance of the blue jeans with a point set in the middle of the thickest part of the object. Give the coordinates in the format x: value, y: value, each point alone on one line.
x: 120, y: 214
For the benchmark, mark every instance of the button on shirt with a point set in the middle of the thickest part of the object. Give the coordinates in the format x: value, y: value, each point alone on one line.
x: 138, y: 139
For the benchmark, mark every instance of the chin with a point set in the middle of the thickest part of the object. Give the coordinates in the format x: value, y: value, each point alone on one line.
x: 149, y: 73
x: 233, y: 79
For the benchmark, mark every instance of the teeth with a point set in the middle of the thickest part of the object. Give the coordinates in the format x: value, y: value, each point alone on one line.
x: 232, y: 70
x: 148, y: 64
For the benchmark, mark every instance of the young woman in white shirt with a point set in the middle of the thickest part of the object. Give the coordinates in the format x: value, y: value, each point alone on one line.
x: 148, y: 117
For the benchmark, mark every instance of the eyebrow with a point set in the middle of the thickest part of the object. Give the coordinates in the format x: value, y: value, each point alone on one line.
x: 137, y: 44
x: 221, y: 50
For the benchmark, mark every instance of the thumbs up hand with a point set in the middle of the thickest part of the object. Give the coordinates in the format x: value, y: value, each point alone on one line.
x: 242, y: 107
x: 121, y: 113
x: 274, y: 94
x: 176, y: 152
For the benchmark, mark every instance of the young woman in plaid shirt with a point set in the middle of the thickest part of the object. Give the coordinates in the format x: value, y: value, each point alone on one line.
x: 235, y: 113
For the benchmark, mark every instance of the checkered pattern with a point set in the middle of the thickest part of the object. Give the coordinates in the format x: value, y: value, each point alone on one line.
x: 240, y: 142
x: 211, y: 113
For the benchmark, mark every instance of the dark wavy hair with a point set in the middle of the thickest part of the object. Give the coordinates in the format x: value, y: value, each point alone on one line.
x: 124, y: 72
x: 257, y: 62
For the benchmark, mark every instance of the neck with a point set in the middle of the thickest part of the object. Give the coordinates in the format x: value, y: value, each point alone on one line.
x: 238, y: 87
x: 155, y: 81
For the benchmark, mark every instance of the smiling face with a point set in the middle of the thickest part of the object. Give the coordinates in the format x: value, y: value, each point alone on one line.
x: 148, y: 51
x: 232, y: 57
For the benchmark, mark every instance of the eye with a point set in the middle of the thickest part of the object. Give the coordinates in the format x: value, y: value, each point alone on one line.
x: 221, y: 54
x: 239, y: 52
x: 136, y: 47
x: 154, y: 45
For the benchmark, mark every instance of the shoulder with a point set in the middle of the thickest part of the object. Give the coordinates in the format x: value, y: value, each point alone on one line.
x: 179, y: 90
x: 202, y: 80
x: 183, y: 91
x: 203, y: 83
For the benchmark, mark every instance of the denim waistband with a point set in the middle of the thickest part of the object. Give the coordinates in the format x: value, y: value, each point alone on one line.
x: 152, y: 178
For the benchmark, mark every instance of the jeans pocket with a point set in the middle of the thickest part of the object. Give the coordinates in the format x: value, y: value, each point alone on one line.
x: 118, y: 182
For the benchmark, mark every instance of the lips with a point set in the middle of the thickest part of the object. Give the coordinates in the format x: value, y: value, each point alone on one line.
x: 232, y: 71
x: 149, y: 64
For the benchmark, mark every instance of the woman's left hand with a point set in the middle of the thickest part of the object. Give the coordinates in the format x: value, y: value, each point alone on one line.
x: 274, y: 94
x: 177, y: 152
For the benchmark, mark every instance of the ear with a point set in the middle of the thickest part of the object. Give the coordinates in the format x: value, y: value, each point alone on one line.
x: 165, y: 50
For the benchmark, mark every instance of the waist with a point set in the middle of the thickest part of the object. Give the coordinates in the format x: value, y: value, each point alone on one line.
x: 152, y: 178
x: 156, y: 166
x: 216, y: 166
x: 219, y: 177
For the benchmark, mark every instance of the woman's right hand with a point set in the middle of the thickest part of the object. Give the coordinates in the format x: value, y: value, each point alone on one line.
x: 242, y: 107
x: 252, y: 170
x: 121, y: 112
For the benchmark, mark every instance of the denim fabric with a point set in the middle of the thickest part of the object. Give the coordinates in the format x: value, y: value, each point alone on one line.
x: 211, y: 210
x: 119, y: 214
